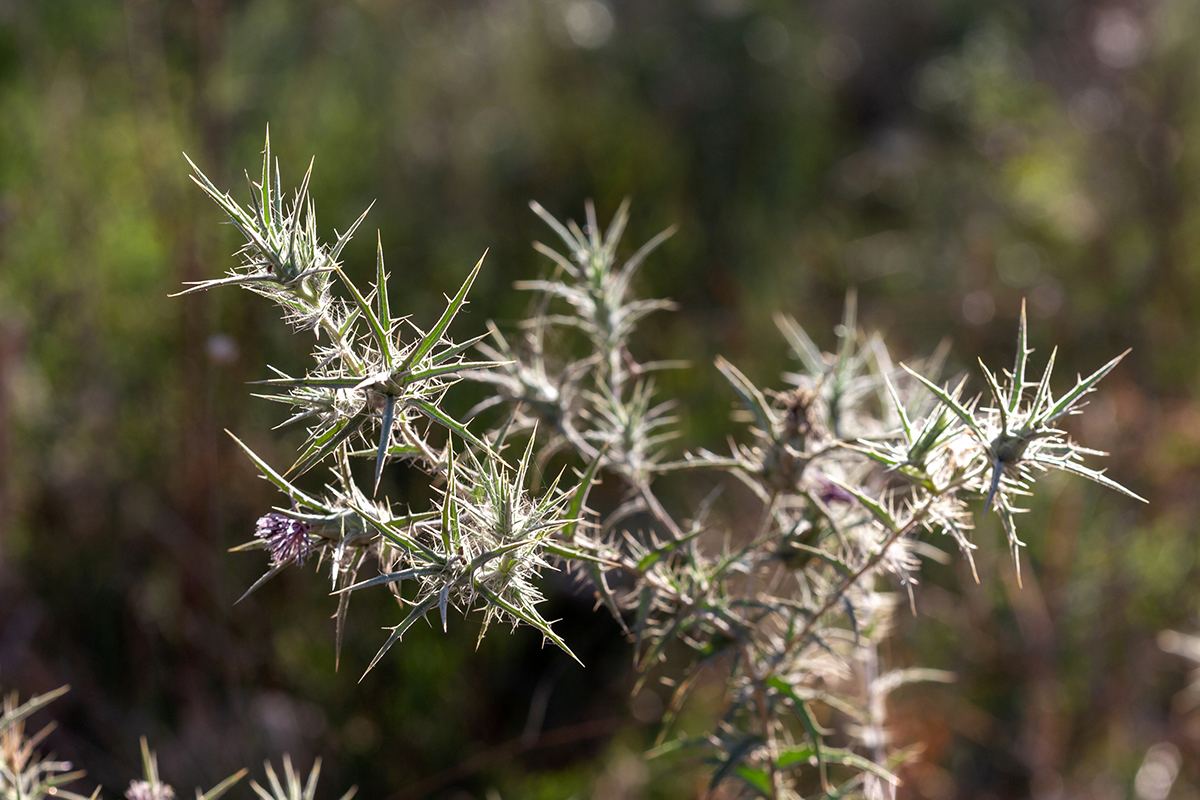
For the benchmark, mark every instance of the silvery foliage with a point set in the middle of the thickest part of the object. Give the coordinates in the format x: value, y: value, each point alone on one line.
x: 852, y: 462
x: 291, y: 788
x: 26, y: 774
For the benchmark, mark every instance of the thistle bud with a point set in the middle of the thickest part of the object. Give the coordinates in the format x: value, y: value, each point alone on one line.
x: 286, y: 538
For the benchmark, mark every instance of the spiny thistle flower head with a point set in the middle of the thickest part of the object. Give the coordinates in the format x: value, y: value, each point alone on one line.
x: 1014, y: 439
x: 286, y: 538
x: 282, y: 258
x: 485, y: 543
x: 498, y: 532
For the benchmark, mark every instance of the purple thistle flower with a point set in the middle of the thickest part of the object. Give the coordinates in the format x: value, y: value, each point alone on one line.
x: 286, y: 538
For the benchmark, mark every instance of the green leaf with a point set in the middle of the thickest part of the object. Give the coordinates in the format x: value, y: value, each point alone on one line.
x: 343, y: 611
x: 750, y: 395
x: 446, y: 369
x: 849, y: 759
x: 348, y: 324
x: 391, y: 530
x: 417, y: 613
x: 327, y: 441
x: 874, y: 506
x: 449, y: 512
x: 262, y: 793
x: 441, y: 417
x: 435, y: 334
x: 221, y: 788
x: 310, y: 787
x: 616, y: 227
x: 1098, y: 476
x: 451, y: 352
x: 950, y: 402
x: 606, y: 595
x: 891, y: 390
x: 295, y: 224
x: 645, y: 250
x: 491, y: 555
x: 240, y: 219
x: 270, y: 573
x: 848, y: 332
x: 1043, y: 389
x: 994, y: 486
x: 345, y: 237
x: 395, y: 451
x: 233, y: 280
x: 756, y: 778
x: 385, y: 313
x: 579, y: 499
x: 936, y: 424
x: 149, y: 763
x: 555, y: 256
x: 643, y: 616
x: 378, y: 332
x: 574, y: 244
x: 795, y: 755
x: 309, y: 382
x: 736, y: 755
x: 651, y: 558
x: 575, y: 554
x: 443, y: 603
x: 391, y: 577
x: 806, y: 721
x: 1082, y: 387
x: 264, y: 188
x: 997, y: 394
x: 803, y: 346
x: 1023, y: 351
x: 523, y: 464
x: 526, y: 614
x: 30, y: 706
x: 385, y: 436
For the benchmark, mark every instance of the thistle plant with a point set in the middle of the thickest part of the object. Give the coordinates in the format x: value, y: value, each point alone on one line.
x: 854, y: 461
x: 25, y: 773
x: 151, y: 787
x: 291, y: 787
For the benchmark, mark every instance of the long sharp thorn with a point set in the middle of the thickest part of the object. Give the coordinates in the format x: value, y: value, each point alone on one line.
x: 385, y: 436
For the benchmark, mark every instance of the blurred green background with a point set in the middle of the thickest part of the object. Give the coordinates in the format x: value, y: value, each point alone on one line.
x: 947, y: 157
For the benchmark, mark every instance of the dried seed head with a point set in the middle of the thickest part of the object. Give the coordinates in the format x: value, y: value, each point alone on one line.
x: 286, y: 538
